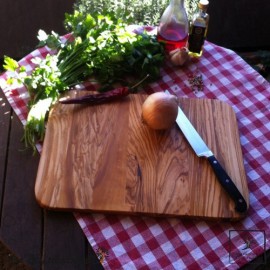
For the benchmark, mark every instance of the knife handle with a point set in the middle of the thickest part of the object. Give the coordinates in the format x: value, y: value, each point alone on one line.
x: 227, y: 183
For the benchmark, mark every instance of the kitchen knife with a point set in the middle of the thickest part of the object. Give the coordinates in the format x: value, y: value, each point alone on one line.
x: 202, y: 150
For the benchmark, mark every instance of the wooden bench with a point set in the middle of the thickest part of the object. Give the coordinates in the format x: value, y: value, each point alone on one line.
x: 42, y: 239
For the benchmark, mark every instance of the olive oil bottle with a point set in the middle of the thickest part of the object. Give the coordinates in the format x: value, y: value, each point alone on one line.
x: 198, y: 30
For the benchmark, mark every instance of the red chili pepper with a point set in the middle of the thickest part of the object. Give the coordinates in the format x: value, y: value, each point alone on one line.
x: 99, y: 98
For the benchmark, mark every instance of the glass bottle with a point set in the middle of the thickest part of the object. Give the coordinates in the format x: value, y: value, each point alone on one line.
x: 198, y: 29
x: 173, y: 26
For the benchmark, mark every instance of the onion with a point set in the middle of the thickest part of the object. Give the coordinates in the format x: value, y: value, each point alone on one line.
x: 159, y: 110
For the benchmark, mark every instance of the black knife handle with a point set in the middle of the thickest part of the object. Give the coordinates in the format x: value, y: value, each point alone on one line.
x: 227, y: 183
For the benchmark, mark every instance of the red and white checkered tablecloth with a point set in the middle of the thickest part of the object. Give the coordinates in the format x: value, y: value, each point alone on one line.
x: 135, y: 242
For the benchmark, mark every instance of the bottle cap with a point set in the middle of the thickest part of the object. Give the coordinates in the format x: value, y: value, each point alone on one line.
x: 203, y: 4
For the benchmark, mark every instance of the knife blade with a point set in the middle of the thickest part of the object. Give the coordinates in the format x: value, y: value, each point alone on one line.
x: 202, y: 150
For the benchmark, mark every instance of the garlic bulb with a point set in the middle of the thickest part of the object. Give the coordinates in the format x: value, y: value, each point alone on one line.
x: 159, y: 110
x: 179, y: 57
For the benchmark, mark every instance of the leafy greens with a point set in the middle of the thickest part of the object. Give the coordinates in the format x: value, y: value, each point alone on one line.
x: 99, y: 46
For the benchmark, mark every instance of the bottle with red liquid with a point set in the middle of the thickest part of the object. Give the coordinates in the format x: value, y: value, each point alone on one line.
x: 174, y: 26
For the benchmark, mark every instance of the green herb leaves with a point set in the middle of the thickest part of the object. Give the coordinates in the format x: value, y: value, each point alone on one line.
x: 100, y: 47
x: 111, y: 53
x: 10, y: 64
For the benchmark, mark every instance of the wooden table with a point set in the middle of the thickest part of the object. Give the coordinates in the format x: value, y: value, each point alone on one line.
x: 42, y: 239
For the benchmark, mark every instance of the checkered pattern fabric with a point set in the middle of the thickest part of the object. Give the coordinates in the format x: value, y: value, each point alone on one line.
x: 135, y: 242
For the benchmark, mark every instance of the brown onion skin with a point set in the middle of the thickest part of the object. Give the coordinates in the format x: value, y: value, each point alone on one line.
x: 159, y: 111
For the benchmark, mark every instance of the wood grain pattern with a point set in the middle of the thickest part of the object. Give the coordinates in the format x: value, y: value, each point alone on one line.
x: 103, y: 158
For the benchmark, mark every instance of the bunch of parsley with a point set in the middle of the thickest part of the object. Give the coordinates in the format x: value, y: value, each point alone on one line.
x: 99, y: 46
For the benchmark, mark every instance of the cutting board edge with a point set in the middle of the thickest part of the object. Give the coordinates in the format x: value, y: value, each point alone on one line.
x: 148, y: 214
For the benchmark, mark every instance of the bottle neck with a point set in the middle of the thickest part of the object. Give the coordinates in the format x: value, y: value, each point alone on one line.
x: 202, y: 8
x: 203, y: 12
x: 177, y: 3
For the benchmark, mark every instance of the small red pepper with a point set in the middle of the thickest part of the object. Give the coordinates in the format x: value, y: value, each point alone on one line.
x: 105, y: 97
x: 99, y: 98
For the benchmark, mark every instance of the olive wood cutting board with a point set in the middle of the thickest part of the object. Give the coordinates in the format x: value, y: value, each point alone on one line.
x: 102, y: 158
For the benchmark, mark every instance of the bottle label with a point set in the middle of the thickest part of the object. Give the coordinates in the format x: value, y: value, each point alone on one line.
x: 196, y: 39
